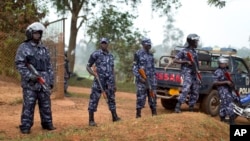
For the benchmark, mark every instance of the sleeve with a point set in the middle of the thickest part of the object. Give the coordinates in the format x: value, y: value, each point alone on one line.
x: 154, y: 84
x: 50, y: 69
x: 180, y: 55
x: 20, y: 62
x: 216, y: 75
x: 135, y: 66
x: 92, y: 59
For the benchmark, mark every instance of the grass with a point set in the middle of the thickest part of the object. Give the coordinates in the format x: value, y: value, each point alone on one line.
x: 193, y: 127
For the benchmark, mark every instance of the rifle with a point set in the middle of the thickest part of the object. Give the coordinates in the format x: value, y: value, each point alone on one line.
x: 198, y: 75
x: 99, y: 82
x: 151, y: 92
x: 228, y: 76
x: 40, y: 79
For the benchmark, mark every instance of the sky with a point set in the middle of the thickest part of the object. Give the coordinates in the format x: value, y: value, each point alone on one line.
x: 229, y: 26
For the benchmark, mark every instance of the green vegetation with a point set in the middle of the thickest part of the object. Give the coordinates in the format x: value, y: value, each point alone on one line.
x: 87, y: 82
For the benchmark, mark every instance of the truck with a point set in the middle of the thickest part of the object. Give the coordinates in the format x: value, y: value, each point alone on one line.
x: 169, y: 79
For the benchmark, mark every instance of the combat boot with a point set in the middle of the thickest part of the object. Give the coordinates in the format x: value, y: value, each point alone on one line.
x: 91, y: 119
x: 223, y: 119
x: 154, y: 113
x: 191, y: 108
x: 138, y: 113
x: 231, y: 121
x: 114, y: 116
x: 177, y: 107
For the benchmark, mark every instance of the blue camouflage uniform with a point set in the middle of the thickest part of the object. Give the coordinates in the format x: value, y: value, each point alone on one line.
x: 66, y: 74
x: 144, y: 60
x: 104, y: 62
x: 38, y: 56
x: 225, y: 94
x: 190, y: 82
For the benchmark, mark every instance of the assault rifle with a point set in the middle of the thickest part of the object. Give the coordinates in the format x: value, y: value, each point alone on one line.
x: 198, y: 75
x: 40, y: 79
x: 151, y: 92
x: 228, y: 76
x: 99, y: 82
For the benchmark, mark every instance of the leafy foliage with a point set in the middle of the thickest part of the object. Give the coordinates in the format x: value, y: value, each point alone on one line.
x: 217, y: 3
x: 15, y: 16
x: 117, y: 26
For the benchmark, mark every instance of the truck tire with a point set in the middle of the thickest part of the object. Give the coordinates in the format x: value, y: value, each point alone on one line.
x: 210, y: 103
x: 168, y: 104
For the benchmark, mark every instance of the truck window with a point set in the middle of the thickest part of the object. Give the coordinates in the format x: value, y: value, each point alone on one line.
x: 240, y: 66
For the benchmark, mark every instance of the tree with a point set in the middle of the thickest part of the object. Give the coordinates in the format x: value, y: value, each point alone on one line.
x: 15, y: 16
x: 87, y: 10
x: 173, y: 36
x: 217, y: 3
x: 117, y: 26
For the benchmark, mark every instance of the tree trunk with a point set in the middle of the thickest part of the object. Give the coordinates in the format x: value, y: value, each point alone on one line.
x: 72, y: 42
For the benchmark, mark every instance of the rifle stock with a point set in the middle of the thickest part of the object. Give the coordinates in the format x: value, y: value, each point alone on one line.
x: 39, y: 79
x: 190, y: 57
x: 228, y: 76
x: 143, y: 75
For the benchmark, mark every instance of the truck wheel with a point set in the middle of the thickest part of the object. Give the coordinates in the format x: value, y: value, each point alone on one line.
x: 168, y: 104
x: 210, y: 103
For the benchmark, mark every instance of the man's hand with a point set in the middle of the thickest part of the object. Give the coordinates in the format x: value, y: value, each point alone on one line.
x: 229, y: 83
x: 33, y: 78
x: 142, y: 80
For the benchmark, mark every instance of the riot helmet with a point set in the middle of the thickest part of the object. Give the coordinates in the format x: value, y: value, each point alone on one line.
x: 192, y: 40
x: 34, y: 27
x: 222, y: 60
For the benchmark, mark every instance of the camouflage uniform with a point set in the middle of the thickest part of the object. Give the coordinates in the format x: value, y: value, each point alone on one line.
x: 38, y: 56
x: 190, y: 82
x: 66, y: 74
x: 225, y: 94
x: 104, y: 63
x: 144, y: 60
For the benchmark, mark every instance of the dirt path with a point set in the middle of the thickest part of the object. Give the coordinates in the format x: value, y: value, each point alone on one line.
x: 68, y: 112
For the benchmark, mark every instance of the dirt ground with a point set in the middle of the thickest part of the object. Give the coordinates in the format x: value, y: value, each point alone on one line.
x: 67, y: 112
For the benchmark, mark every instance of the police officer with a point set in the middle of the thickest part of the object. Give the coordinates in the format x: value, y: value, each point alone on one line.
x: 190, y: 82
x: 66, y: 74
x: 144, y: 60
x: 103, y: 61
x: 224, y: 87
x: 33, y: 52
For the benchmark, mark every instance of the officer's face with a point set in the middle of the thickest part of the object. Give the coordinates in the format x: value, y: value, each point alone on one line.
x: 147, y: 47
x: 104, y: 46
x: 36, y: 35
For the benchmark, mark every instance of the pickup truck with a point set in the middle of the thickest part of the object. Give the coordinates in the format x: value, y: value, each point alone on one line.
x: 169, y: 80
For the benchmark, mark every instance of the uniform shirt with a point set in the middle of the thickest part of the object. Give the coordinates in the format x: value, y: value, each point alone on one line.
x: 104, y: 62
x: 219, y: 75
x: 39, y: 57
x: 145, y: 60
x: 183, y: 56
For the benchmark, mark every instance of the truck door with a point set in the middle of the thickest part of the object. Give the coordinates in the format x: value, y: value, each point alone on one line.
x: 241, y: 76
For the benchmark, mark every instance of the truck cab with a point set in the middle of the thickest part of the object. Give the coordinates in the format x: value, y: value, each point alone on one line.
x: 169, y: 79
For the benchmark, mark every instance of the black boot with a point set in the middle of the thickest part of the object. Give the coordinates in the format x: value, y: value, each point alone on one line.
x: 48, y: 126
x: 231, y: 121
x: 154, y: 113
x: 191, y: 108
x: 223, y: 119
x: 138, y: 113
x: 114, y: 116
x: 91, y: 119
x: 177, y: 107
